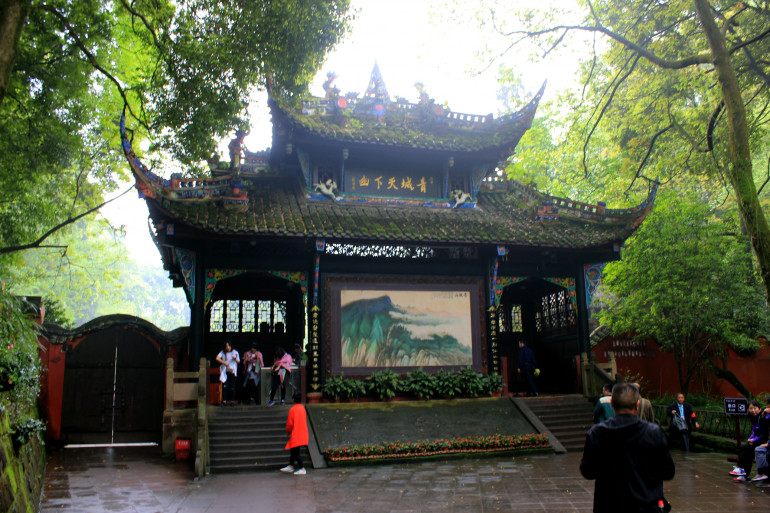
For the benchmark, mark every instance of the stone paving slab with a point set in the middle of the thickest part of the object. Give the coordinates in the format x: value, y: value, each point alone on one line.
x: 138, y: 480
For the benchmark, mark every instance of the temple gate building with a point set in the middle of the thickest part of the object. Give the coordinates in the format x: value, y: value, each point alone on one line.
x: 378, y: 233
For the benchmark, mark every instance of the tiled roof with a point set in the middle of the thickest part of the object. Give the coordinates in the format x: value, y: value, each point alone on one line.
x: 425, y: 126
x: 279, y: 206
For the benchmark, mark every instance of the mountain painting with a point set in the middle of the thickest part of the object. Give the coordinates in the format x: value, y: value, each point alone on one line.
x: 399, y: 328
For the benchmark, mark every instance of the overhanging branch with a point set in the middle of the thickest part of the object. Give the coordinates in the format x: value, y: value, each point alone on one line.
x: 39, y: 242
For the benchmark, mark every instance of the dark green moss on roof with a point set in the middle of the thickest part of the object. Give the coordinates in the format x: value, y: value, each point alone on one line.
x: 419, y: 129
x: 278, y: 206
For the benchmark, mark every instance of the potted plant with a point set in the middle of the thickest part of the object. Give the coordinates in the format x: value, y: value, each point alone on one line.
x: 420, y: 384
x: 447, y: 384
x: 334, y: 387
x: 470, y: 382
x: 383, y: 384
x: 352, y: 388
x: 491, y: 384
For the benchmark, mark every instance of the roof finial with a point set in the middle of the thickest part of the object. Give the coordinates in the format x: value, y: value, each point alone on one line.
x: 377, y: 87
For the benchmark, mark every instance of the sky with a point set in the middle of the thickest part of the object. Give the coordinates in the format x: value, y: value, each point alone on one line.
x: 412, y: 41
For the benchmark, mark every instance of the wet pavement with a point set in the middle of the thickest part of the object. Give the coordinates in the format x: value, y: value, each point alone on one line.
x: 137, y: 479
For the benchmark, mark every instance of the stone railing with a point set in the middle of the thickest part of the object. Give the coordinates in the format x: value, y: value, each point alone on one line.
x: 596, y: 374
x: 712, y: 422
x: 183, y: 422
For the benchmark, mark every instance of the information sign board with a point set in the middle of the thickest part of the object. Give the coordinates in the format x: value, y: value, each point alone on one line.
x: 736, y: 406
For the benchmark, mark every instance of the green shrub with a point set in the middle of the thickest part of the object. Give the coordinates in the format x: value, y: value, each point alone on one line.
x: 26, y: 429
x: 384, y: 383
x: 353, y: 388
x: 491, y: 383
x: 447, y: 384
x: 334, y: 386
x: 19, y: 360
x: 470, y: 382
x: 420, y: 384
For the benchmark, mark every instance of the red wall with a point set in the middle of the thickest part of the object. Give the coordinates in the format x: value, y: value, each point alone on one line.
x: 661, y: 376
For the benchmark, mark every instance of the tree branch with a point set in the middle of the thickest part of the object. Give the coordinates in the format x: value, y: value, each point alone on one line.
x: 647, y: 155
x: 38, y: 243
x: 91, y: 58
x: 603, y: 110
x: 693, y: 60
x: 712, y: 125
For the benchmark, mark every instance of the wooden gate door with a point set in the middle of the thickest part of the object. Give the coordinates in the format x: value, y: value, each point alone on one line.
x: 113, y: 389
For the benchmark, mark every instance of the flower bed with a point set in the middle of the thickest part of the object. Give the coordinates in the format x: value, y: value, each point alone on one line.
x: 474, y: 444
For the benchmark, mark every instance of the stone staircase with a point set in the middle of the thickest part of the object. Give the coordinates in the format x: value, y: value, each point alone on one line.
x: 248, y: 438
x: 568, y: 417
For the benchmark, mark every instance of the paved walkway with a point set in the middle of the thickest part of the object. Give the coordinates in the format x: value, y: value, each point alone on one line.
x: 138, y: 480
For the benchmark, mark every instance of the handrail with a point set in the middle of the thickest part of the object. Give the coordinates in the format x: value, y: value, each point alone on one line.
x: 202, y: 455
x: 712, y: 422
x: 596, y: 374
x: 193, y: 388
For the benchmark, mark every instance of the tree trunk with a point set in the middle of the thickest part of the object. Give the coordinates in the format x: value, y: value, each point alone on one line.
x: 13, y: 15
x: 740, y: 172
x: 731, y: 378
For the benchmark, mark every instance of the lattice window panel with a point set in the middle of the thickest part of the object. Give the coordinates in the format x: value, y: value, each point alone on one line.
x: 266, y: 312
x: 516, y: 321
x: 233, y: 315
x: 502, y: 320
x: 556, y: 312
x: 248, y: 316
x: 216, y: 324
x: 280, y: 311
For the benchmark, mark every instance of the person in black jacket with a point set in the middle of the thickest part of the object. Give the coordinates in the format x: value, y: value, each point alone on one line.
x: 527, y: 367
x: 682, y: 409
x: 628, y: 457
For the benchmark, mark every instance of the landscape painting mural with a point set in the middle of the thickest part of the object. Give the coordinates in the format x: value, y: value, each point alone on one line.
x: 406, y: 328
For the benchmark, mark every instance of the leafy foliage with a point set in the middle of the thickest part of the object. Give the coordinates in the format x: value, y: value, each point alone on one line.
x: 687, y: 280
x: 19, y: 360
x: 470, y: 382
x: 668, y: 87
x: 78, y: 287
x: 340, y: 387
x: 419, y: 383
x: 447, y: 384
x: 183, y: 69
x: 384, y: 384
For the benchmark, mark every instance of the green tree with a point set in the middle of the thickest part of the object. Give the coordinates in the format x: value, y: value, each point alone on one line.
x: 83, y: 288
x: 183, y: 69
x: 681, y: 85
x: 687, y: 280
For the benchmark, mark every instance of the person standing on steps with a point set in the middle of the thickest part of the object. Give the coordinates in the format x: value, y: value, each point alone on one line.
x: 296, y: 427
x: 281, y: 374
x: 228, y: 359
x: 527, y: 367
x: 253, y: 363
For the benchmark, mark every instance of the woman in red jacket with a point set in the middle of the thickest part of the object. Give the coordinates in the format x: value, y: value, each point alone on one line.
x: 296, y: 426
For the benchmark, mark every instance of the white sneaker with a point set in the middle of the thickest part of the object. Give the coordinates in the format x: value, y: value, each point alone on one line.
x: 300, y: 472
x: 288, y: 469
x: 737, y: 471
x: 760, y: 477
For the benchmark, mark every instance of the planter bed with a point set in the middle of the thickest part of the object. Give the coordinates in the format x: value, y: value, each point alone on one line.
x: 495, y: 444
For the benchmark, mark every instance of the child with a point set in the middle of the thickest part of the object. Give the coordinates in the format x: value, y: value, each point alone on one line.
x: 296, y: 426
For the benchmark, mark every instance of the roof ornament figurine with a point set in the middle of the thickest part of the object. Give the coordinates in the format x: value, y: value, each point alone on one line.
x: 376, y: 88
x: 327, y: 189
x: 460, y: 197
x: 236, y: 150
